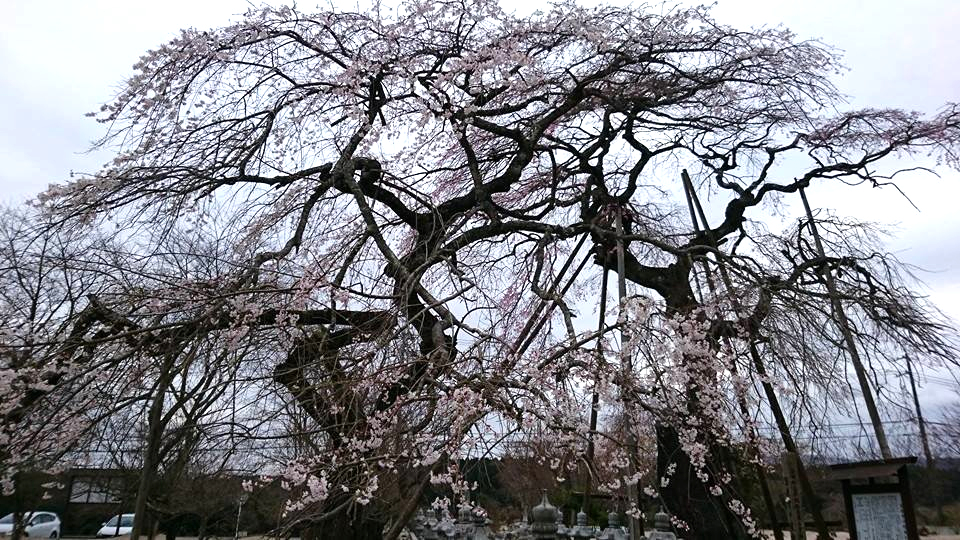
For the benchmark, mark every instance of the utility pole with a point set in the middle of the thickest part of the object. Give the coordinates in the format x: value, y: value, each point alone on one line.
x: 240, y: 501
x: 923, y: 427
x: 928, y: 456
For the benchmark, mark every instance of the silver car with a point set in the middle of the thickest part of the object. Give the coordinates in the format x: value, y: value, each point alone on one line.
x: 38, y: 525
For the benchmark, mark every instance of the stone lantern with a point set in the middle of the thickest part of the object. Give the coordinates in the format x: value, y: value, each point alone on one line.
x: 446, y: 528
x: 581, y: 530
x: 661, y: 526
x: 614, y: 530
x: 419, y: 523
x: 430, y: 526
x: 544, y: 515
x: 562, y: 531
x: 481, y: 527
x: 464, y: 526
x: 522, y: 529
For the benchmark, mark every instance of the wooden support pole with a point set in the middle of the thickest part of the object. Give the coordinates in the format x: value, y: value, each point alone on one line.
x: 528, y: 331
x: 741, y: 400
x: 772, y: 400
x: 850, y: 344
x: 789, y: 444
x: 549, y: 306
x: 794, y: 508
x: 595, y: 397
x: 627, y: 365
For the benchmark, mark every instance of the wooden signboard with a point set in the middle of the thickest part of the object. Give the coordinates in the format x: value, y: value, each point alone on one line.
x: 877, y: 498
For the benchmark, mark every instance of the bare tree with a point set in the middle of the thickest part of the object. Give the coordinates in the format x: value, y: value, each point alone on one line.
x: 946, y: 432
x: 419, y: 206
x: 39, y: 292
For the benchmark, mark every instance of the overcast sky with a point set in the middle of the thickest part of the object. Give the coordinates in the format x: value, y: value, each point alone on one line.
x: 62, y: 58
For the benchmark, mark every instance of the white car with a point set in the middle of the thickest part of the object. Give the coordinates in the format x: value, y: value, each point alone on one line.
x: 116, y: 526
x: 38, y: 525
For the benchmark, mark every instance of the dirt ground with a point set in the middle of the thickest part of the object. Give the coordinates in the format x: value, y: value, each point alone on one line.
x: 846, y: 536
x: 810, y: 536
